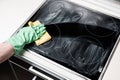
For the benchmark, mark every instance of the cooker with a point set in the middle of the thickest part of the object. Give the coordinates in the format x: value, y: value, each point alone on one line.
x: 84, y: 39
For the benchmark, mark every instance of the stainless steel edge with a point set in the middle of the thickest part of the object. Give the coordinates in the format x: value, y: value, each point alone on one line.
x: 109, y: 59
x: 50, y: 66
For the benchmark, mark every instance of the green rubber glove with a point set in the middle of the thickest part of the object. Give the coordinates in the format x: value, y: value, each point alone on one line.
x: 25, y: 36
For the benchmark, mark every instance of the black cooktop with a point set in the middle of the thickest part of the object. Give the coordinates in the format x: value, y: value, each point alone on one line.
x: 82, y: 39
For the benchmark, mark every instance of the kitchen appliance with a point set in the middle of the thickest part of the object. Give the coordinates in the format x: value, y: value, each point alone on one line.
x: 83, y: 41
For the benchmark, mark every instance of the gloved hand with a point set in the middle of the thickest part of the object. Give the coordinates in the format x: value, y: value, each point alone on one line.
x: 25, y: 36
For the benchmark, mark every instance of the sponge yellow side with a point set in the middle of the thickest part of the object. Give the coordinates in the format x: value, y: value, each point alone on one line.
x: 46, y: 37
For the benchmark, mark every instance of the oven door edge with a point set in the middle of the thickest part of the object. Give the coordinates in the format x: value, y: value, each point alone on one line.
x: 50, y: 66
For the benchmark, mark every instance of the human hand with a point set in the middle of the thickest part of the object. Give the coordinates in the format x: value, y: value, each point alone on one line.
x: 25, y: 36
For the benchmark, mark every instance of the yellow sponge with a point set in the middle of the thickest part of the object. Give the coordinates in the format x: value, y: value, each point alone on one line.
x: 46, y: 37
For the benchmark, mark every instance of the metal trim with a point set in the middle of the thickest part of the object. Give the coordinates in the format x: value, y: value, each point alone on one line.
x: 50, y: 66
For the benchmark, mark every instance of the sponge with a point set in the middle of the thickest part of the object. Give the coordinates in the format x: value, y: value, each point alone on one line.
x: 46, y: 37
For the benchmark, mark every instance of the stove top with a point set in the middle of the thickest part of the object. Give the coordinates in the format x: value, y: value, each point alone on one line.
x: 82, y: 39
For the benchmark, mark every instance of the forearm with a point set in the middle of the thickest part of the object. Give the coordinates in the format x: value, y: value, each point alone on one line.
x: 6, y: 51
x: 16, y: 43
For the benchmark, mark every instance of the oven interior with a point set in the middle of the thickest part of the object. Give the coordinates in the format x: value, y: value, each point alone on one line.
x: 82, y: 39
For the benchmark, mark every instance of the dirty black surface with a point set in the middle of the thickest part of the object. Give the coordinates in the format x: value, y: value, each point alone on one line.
x: 81, y: 39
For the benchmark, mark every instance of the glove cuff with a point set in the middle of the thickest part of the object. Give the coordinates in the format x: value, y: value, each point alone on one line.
x: 17, y: 47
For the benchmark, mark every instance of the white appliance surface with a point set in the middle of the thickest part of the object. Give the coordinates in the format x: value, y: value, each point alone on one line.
x: 109, y: 7
x: 13, y: 13
x: 113, y: 70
